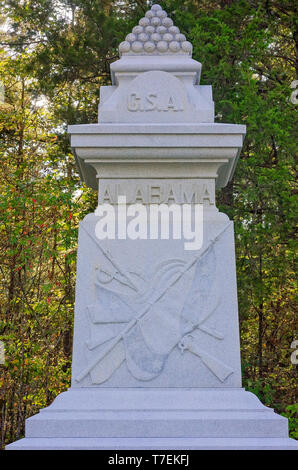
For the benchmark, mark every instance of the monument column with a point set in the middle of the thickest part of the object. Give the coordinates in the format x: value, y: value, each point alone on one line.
x: 156, y: 357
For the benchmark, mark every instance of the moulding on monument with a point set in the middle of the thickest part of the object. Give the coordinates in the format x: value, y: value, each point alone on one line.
x: 157, y: 151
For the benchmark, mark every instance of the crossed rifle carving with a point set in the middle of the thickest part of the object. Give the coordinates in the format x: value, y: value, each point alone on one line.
x: 218, y: 368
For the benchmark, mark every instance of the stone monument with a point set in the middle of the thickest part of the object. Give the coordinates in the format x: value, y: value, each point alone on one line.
x: 156, y: 356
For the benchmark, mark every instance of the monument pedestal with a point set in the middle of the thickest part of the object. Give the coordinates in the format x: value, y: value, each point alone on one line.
x: 89, y: 418
x: 156, y: 356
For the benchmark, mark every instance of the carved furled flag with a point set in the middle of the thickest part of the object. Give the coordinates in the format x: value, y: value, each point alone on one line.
x: 202, y: 299
x: 142, y: 362
x: 109, y: 308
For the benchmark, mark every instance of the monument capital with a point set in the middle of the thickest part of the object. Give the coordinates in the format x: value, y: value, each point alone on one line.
x: 156, y: 120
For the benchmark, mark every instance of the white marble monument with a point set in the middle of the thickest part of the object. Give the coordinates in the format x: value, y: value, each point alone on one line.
x: 156, y: 357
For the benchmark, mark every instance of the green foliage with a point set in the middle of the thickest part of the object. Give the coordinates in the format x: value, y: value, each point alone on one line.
x: 292, y: 415
x: 54, y: 58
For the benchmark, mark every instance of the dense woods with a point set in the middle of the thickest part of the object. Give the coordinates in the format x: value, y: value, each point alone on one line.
x: 54, y: 56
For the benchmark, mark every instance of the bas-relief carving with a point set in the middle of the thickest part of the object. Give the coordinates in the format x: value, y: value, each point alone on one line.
x: 154, y: 93
x: 157, y: 192
x: 141, y: 321
x: 152, y: 101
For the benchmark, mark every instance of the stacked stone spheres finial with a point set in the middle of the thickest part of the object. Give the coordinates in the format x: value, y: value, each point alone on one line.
x: 155, y: 35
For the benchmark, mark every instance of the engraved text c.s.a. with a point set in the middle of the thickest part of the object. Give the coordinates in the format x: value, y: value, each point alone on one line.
x: 153, y: 102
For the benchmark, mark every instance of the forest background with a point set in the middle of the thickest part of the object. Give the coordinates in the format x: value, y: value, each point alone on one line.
x: 54, y: 56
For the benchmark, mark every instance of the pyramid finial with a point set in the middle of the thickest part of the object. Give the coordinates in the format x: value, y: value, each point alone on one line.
x: 155, y: 35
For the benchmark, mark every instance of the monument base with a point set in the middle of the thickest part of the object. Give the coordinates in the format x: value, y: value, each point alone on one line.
x: 89, y: 418
x: 207, y: 443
